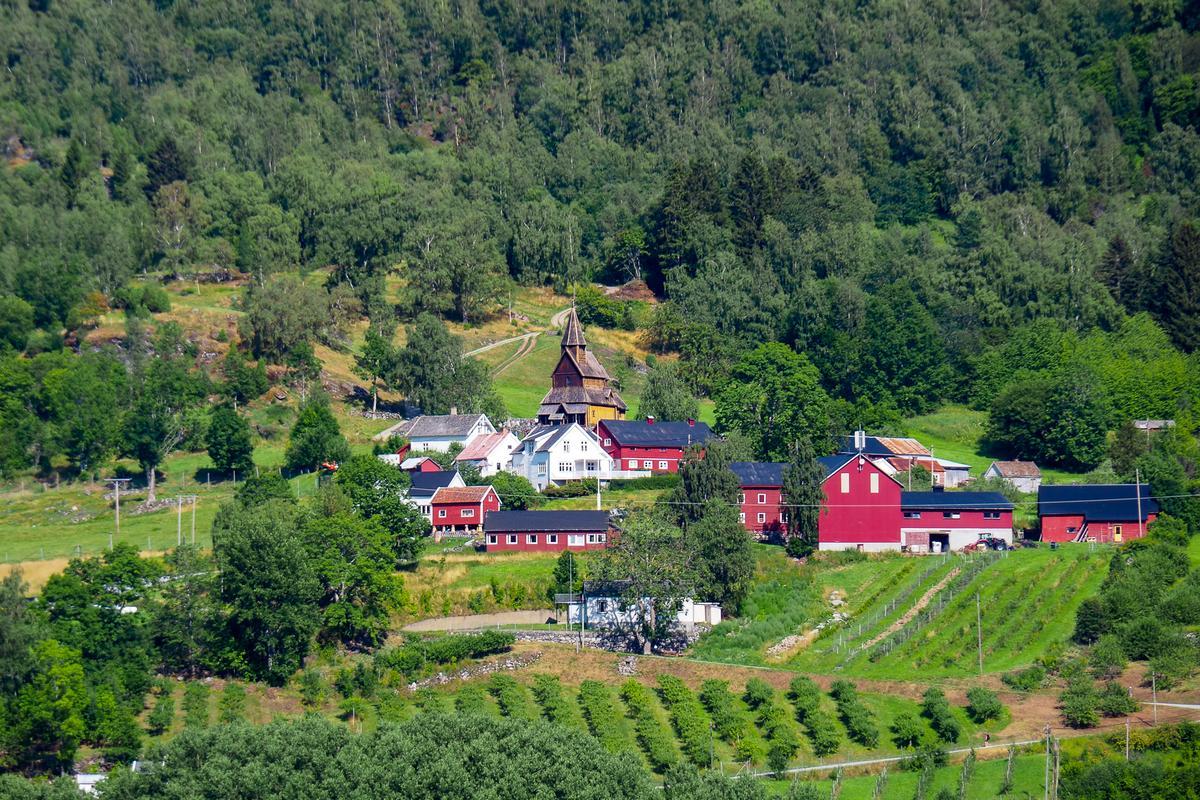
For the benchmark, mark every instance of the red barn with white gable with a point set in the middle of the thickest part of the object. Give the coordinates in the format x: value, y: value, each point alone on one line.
x: 457, y: 509
x: 862, y: 505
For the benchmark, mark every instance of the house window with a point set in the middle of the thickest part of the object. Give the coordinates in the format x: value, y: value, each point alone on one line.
x: 441, y: 513
x: 575, y: 540
x: 552, y: 538
x: 662, y: 465
x: 633, y: 463
x: 845, y: 483
x: 591, y: 466
x: 742, y: 498
x: 601, y: 537
x: 603, y: 606
x: 531, y: 538
x: 566, y: 466
x: 468, y: 512
x: 874, y: 483
x: 742, y: 518
x: 991, y: 515
x: 762, y: 517
x: 783, y: 516
x: 583, y: 447
x: 492, y: 539
x: 762, y: 498
x: 566, y: 447
x: 912, y: 514
x: 607, y: 441
x: 951, y: 515
x: 1116, y: 530
x: 512, y: 538
x: 647, y: 464
x: 541, y: 469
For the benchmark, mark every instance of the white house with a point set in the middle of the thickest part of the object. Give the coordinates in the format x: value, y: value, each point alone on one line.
x: 437, y: 433
x: 601, y: 606
x: 489, y: 452
x: 556, y: 454
x: 1024, y: 476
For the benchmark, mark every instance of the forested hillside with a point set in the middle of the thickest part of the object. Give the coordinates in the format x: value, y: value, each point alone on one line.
x: 983, y: 202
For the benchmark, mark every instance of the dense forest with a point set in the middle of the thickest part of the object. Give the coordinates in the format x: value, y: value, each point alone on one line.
x: 984, y: 202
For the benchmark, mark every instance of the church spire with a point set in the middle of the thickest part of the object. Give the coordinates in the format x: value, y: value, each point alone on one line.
x: 573, y: 331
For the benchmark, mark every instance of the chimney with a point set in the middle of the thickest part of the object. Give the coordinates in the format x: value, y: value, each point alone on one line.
x: 691, y: 422
x: 860, y: 440
x: 650, y: 420
x: 453, y: 411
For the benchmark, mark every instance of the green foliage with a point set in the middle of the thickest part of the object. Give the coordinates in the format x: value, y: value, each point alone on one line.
x: 415, y: 654
x: 195, y: 705
x: 1080, y: 706
x: 163, y: 715
x: 936, y: 709
x: 568, y: 574
x: 803, y: 497
x: 228, y: 440
x: 547, y: 690
x: 312, y: 688
x: 907, y: 730
x: 259, y: 489
x: 601, y: 714
x: 859, y: 722
x: 231, y: 707
x: 667, y: 396
x: 1106, y: 659
x: 983, y: 705
x: 729, y: 722
x: 315, y: 438
x: 654, y: 738
x: 688, y: 718
x: 516, y: 492
x: 1115, y: 701
x: 510, y: 696
x: 431, y: 372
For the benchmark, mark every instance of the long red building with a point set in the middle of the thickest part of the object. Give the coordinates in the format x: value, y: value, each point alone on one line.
x: 1105, y: 512
x: 650, y: 445
x: 546, y: 530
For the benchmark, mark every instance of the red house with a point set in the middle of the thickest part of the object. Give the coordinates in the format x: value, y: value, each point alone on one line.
x: 943, y: 521
x: 462, y: 508
x: 862, y: 506
x: 761, y: 484
x: 651, y: 445
x: 546, y: 530
x: 420, y: 464
x: 1112, y: 512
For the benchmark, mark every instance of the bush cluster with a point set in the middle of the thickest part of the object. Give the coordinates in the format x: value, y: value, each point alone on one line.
x: 581, y: 488
x: 859, y: 721
x: 601, y: 715
x: 983, y: 705
x: 822, y: 729
x: 652, y: 736
x: 936, y: 709
x: 688, y: 718
x: 665, y: 481
x: 510, y: 696
x: 730, y: 723
x: 1025, y: 680
x: 471, y: 699
x: 416, y: 654
x: 547, y: 690
x: 1114, y: 701
x: 782, y: 743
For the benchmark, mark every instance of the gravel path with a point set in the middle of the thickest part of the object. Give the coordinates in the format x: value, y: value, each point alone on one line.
x: 478, y: 621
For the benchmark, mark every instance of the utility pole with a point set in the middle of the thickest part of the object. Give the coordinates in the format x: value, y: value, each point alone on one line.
x: 194, y: 499
x: 979, y: 630
x: 1127, y: 738
x: 179, y: 520
x: 1046, y: 776
x: 116, y: 482
x: 1154, y: 694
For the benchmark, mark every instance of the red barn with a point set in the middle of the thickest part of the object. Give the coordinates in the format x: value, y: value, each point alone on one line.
x: 420, y: 464
x: 1107, y: 512
x: 546, y: 530
x: 650, y: 445
x: 462, y: 508
x: 944, y: 521
x: 862, y: 505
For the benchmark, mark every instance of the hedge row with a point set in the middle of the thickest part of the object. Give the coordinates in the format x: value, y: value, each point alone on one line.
x: 731, y: 724
x: 822, y: 730
x: 688, y: 718
x: 936, y: 708
x: 416, y: 654
x: 549, y: 695
x: 654, y: 738
x: 782, y: 743
x: 510, y: 696
x: 601, y: 715
x: 666, y: 481
x: 471, y: 699
x: 859, y: 722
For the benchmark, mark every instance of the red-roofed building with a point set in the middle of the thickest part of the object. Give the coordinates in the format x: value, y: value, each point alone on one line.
x: 460, y: 509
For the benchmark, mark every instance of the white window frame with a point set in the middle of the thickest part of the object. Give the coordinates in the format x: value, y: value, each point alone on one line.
x: 845, y: 483
x: 552, y: 538
x: 512, y: 538
x: 575, y: 540
x: 762, y: 498
x: 741, y: 498
x: 874, y: 483
x: 566, y: 447
x: 762, y: 517
x: 441, y: 513
x: 742, y: 517
x: 633, y: 463
x: 491, y: 538
x: 783, y: 516
x: 991, y: 515
x: 566, y: 466
x: 468, y: 512
x: 607, y: 441
x: 601, y: 538
x: 662, y: 464
x: 951, y: 515
x: 648, y: 463
x: 531, y: 538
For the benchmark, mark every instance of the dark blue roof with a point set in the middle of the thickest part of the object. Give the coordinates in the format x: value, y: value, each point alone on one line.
x: 424, y: 484
x: 1097, y: 502
x: 975, y: 501
x: 770, y: 473
x: 661, y: 434
x: 538, y: 521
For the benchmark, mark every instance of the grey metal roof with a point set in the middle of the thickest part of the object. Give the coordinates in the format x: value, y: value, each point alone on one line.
x: 424, y: 484
x: 1097, y: 502
x: 659, y: 434
x: 770, y: 473
x: 544, y: 521
x: 441, y: 425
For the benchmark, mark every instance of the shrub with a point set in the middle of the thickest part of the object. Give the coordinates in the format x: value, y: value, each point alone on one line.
x: 312, y: 688
x: 1107, y: 659
x: 163, y: 715
x: 1025, y: 680
x: 549, y: 695
x: 688, y: 719
x: 823, y: 733
x: 471, y: 699
x: 907, y: 730
x: 450, y: 649
x: 730, y: 723
x: 1079, y: 708
x: 665, y: 481
x: 601, y: 715
x: 858, y: 720
x: 510, y: 696
x: 805, y: 696
x: 983, y: 705
x: 1114, y: 701
x: 195, y: 705
x: 936, y: 709
x: 758, y: 692
x: 232, y: 705
x: 651, y: 735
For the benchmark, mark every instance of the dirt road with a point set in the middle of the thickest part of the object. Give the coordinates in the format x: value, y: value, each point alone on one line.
x: 479, y: 621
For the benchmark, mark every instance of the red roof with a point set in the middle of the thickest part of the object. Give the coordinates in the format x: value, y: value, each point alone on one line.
x: 481, y: 446
x: 462, y: 494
